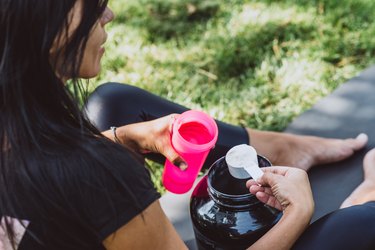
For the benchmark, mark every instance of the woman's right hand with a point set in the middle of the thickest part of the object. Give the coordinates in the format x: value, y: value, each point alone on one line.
x: 284, y: 188
x: 287, y: 189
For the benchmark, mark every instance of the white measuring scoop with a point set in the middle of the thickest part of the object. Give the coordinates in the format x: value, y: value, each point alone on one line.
x: 242, y: 161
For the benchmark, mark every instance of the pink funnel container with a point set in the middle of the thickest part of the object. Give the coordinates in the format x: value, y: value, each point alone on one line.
x: 194, y: 134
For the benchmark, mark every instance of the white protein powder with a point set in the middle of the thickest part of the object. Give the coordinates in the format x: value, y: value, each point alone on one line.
x: 242, y: 162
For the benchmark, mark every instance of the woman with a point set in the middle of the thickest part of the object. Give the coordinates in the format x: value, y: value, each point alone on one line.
x: 63, y: 185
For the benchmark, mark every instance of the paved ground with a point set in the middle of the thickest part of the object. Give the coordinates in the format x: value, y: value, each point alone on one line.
x: 349, y: 110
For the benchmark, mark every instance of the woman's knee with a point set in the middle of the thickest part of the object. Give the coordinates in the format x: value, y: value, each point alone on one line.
x: 114, y: 104
x: 113, y: 94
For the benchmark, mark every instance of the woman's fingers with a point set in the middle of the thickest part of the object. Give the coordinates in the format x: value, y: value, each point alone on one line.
x: 369, y: 159
x: 279, y: 170
x: 256, y: 188
x: 282, y: 186
x: 250, y: 183
x: 264, y: 194
x: 359, y: 142
x: 166, y: 148
x: 268, y: 199
x: 270, y: 179
x: 173, y: 157
x: 275, y: 170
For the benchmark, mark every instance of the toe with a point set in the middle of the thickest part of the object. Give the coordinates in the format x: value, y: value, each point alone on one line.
x: 370, y: 157
x: 359, y: 142
x: 369, y: 164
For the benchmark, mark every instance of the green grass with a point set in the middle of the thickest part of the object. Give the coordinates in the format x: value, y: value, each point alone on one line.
x: 251, y: 63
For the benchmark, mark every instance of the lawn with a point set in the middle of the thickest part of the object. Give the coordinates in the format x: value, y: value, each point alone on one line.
x: 251, y: 63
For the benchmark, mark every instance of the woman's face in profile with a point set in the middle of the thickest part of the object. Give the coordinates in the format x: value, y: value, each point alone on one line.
x: 94, y: 50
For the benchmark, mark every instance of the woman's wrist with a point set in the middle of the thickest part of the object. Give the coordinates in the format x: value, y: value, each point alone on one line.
x: 114, y: 134
x: 303, y: 211
x: 129, y: 137
x: 121, y: 135
x: 287, y: 230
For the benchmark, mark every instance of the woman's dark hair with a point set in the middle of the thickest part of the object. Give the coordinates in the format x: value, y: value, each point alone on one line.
x: 40, y: 120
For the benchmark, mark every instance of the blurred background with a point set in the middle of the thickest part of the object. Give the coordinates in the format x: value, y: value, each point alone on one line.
x: 252, y: 63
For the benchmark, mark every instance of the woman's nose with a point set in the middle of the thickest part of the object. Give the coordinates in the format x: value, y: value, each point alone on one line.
x: 107, y: 16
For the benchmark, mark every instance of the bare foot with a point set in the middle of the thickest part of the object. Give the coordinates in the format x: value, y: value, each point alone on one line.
x: 366, y: 190
x: 303, y: 151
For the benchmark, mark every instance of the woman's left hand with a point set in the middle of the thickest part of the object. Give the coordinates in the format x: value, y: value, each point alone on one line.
x: 151, y: 136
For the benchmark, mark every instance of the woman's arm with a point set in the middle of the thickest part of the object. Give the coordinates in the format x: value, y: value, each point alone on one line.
x: 287, y: 189
x: 149, y: 230
x: 151, y: 136
x: 285, y: 233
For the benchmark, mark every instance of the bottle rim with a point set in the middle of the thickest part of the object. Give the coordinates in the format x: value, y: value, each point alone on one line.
x: 181, y: 144
x: 236, y: 201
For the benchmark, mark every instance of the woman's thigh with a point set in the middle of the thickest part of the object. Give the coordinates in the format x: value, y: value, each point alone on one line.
x: 115, y: 104
x: 352, y: 228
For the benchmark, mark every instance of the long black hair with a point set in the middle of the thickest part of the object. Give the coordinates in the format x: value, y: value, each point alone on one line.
x: 40, y: 120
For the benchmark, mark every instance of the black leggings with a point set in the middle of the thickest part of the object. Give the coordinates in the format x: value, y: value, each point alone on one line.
x: 350, y: 228
x: 114, y: 104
